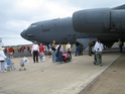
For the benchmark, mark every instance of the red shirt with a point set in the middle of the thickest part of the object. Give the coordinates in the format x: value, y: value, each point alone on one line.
x: 11, y: 50
x: 41, y: 48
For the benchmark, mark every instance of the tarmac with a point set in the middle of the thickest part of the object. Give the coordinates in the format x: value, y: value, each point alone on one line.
x: 75, y: 77
x: 111, y: 81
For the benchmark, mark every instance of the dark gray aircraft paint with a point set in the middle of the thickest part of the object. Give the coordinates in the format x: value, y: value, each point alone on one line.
x: 60, y: 30
x: 104, y: 23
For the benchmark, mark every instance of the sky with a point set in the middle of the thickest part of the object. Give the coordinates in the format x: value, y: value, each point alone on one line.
x: 17, y: 15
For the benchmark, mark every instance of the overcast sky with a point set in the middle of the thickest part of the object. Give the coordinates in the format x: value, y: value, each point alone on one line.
x: 17, y: 15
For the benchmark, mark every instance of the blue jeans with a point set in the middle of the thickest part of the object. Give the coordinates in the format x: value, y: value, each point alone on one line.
x: 2, y: 66
x: 77, y: 51
x: 54, y: 56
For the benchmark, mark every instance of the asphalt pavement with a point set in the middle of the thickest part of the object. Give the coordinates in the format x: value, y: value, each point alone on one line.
x: 54, y: 78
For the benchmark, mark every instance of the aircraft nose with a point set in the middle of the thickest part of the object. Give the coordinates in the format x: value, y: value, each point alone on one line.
x: 23, y: 34
x: 26, y: 35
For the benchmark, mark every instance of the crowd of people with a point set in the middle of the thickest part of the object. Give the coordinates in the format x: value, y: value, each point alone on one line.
x: 58, y: 52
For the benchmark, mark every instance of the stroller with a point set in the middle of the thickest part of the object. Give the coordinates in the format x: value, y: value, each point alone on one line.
x: 66, y: 57
x: 10, y: 64
x: 23, y: 63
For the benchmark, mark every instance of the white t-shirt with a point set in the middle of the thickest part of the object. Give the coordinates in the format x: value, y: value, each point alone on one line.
x: 68, y: 46
x: 98, y: 47
x: 35, y: 47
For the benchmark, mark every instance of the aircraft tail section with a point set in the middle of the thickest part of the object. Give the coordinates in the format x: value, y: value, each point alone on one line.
x: 120, y: 7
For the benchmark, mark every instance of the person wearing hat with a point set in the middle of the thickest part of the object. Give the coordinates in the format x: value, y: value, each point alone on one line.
x: 2, y: 59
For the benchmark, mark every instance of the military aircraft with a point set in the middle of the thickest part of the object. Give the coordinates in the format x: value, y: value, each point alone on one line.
x: 107, y: 24
x: 60, y: 30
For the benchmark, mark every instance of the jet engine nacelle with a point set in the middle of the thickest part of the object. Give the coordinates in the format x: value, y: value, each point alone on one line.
x: 100, y: 20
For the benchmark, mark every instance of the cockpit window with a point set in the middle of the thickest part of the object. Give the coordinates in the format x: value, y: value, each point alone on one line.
x: 32, y: 25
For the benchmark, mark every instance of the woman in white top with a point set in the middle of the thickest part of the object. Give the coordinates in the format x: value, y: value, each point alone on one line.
x: 2, y: 59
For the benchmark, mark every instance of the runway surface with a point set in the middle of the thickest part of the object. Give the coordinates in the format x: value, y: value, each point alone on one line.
x: 111, y: 81
x: 54, y: 78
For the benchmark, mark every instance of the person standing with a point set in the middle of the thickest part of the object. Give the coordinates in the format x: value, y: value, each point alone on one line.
x: 120, y: 43
x: 53, y: 51
x: 91, y: 44
x: 11, y: 52
x: 41, y: 52
x: 69, y: 50
x: 2, y: 59
x: 35, y: 51
x: 59, y: 54
x: 77, y: 51
x: 49, y: 50
x: 98, y: 48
